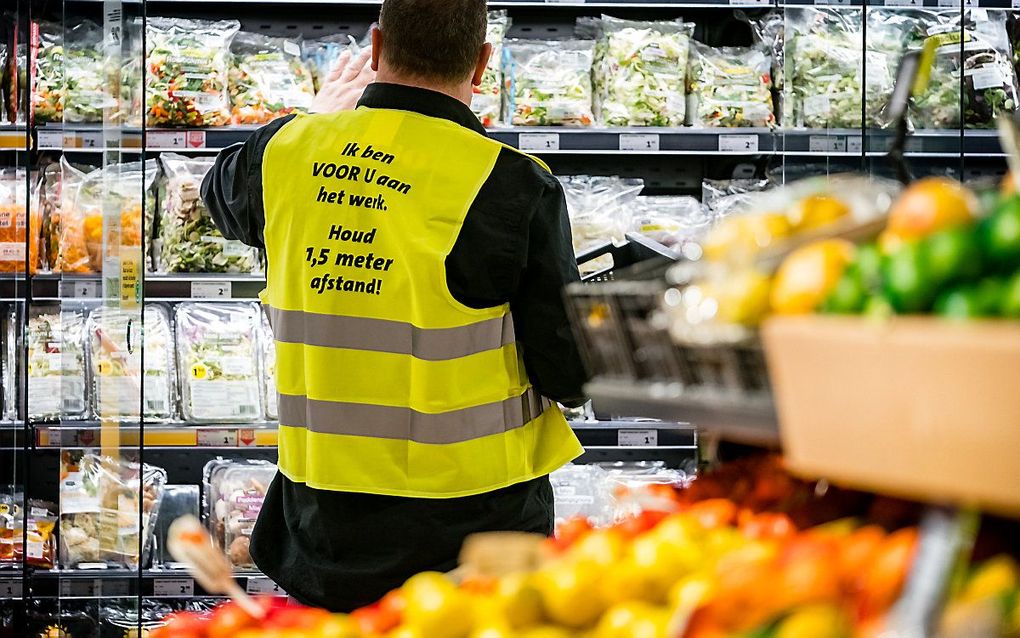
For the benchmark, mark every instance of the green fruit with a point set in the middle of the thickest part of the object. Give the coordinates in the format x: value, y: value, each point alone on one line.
x: 1010, y: 306
x: 849, y: 295
x: 959, y: 303
x: 953, y: 255
x: 1001, y: 234
x: 877, y: 306
x: 906, y: 280
x: 990, y: 293
x: 869, y: 263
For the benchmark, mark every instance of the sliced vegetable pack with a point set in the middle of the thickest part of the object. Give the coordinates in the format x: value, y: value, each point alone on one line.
x: 730, y: 87
x: 548, y: 82
x: 55, y: 345
x: 268, y: 79
x: 487, y: 98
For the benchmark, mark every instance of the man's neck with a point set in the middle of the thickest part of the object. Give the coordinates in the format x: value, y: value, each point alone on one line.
x: 461, y: 93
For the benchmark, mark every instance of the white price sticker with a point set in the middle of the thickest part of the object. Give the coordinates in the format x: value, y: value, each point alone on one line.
x: 751, y: 3
x: 75, y: 588
x: 827, y: 144
x: 637, y: 438
x: 738, y: 143
x: 1015, y: 4
x: 49, y: 140
x: 639, y: 141
x: 904, y: 3
x: 167, y: 139
x: 854, y: 144
x: 263, y: 585
x: 11, y: 588
x: 216, y: 438
x: 173, y: 587
x: 211, y: 290
x: 538, y: 141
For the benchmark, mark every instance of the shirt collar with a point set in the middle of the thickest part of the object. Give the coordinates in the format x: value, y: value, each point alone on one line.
x: 381, y: 95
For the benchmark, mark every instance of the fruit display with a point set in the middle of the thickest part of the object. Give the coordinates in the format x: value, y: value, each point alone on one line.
x: 548, y: 82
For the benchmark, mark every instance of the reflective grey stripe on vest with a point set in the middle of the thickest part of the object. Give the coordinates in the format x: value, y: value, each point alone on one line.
x: 382, y: 335
x: 359, y: 419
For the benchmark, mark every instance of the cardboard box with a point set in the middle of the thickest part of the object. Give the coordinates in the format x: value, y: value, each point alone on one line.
x: 913, y: 406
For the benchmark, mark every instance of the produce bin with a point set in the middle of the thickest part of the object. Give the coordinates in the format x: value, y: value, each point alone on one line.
x: 913, y: 406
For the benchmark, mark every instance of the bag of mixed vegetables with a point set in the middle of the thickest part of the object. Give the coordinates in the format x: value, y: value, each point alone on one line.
x: 321, y: 55
x: 67, y: 245
x: 730, y: 87
x: 47, y: 57
x: 670, y: 220
x: 190, y: 241
x: 188, y: 70
x: 487, y: 98
x: 889, y: 35
x: 15, y: 238
x: 218, y: 355
x: 640, y: 72
x: 86, y: 85
x: 117, y: 188
x: 599, y: 211
x: 55, y: 345
x: 268, y: 79
x: 548, y: 82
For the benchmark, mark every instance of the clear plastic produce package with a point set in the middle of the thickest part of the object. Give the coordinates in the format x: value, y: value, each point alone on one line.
x: 234, y: 491
x: 85, y: 74
x: 723, y: 196
x: 548, y: 82
x: 55, y: 344
x: 321, y: 55
x: 730, y: 87
x: 115, y: 355
x: 190, y: 241
x: 670, y: 220
x: 67, y: 244
x: 49, y: 88
x: 100, y: 501
x: 41, y: 539
x: 217, y: 349
x: 188, y: 70
x: 487, y: 100
x: 270, y: 397
x: 599, y: 209
x: 15, y: 237
x: 268, y: 79
x: 640, y: 72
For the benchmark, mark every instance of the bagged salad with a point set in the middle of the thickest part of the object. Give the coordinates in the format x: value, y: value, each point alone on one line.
x: 188, y: 70
x: 548, y: 82
x: 218, y: 360
x: 48, y: 94
x: 270, y: 397
x: 722, y: 196
x: 670, y: 220
x: 234, y: 493
x: 114, y: 337
x: 55, y: 344
x: 190, y: 241
x: 100, y: 501
x: 87, y: 91
x: 321, y: 54
x: 67, y: 244
x: 729, y: 87
x: 15, y: 235
x: 487, y: 100
x: 599, y: 210
x: 640, y: 72
x: 268, y: 79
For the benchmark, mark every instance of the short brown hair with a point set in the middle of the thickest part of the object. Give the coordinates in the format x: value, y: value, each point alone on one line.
x: 433, y: 39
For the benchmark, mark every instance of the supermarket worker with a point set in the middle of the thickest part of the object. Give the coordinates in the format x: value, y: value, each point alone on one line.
x: 414, y: 285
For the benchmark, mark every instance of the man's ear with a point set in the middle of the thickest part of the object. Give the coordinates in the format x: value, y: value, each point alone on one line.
x: 376, y: 47
x: 483, y: 60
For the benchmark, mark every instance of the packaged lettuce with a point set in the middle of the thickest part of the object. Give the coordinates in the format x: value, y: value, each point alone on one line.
x: 268, y: 79
x: 548, y: 82
x: 55, y: 347
x: 729, y: 87
x: 670, y: 220
x: 268, y: 345
x: 114, y: 337
x: 188, y: 69
x: 48, y: 94
x: 488, y: 96
x: 599, y: 211
x: 190, y: 240
x: 218, y: 356
x: 86, y: 85
x: 640, y: 72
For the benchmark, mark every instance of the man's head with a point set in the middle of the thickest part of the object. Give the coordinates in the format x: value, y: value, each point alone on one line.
x: 437, y: 44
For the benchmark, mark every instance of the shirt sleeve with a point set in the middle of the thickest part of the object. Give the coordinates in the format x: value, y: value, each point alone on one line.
x: 232, y: 189
x: 550, y: 352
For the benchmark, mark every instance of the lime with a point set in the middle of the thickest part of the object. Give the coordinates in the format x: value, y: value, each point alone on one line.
x: 878, y: 306
x: 849, y: 295
x: 990, y: 293
x: 959, y: 303
x: 1011, y: 298
x: 869, y: 263
x: 1001, y: 233
x: 953, y: 255
x: 906, y: 280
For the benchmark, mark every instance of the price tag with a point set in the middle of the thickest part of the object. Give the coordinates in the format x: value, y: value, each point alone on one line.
x: 845, y: 2
x: 639, y: 141
x: 827, y: 144
x: 167, y: 139
x: 11, y: 588
x: 246, y: 437
x: 116, y: 588
x: 637, y: 438
x: 538, y: 141
x: 750, y: 3
x: 217, y: 438
x: 81, y: 588
x: 1015, y: 4
x: 211, y: 290
x: 173, y: 587
x: 85, y: 139
x: 79, y: 289
x: 854, y: 144
x: 738, y: 143
x: 263, y: 585
x: 49, y: 140
x: 904, y: 3
x: 196, y: 139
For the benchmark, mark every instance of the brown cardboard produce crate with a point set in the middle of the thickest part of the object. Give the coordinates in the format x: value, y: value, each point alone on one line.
x: 913, y: 406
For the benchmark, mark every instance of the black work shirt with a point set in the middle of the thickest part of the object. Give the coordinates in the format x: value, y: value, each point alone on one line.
x: 341, y: 550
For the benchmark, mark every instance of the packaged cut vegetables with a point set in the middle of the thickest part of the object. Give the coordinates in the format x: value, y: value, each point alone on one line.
x: 191, y: 243
x: 67, y: 244
x: 268, y: 343
x: 487, y: 99
x: 730, y: 87
x: 55, y: 346
x: 669, y: 220
x: 188, y: 70
x: 218, y: 358
x: 548, y: 82
x: 17, y: 237
x: 115, y: 352
x: 87, y: 92
x: 234, y: 492
x: 48, y: 95
x: 640, y: 72
x: 599, y: 209
x: 108, y: 509
x: 321, y: 55
x: 268, y: 79
x: 41, y: 521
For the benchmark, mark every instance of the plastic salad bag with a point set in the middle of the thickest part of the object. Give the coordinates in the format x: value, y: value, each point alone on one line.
x: 100, y: 501
x: 548, y: 82
x: 234, y: 493
x: 114, y: 337
x: 15, y: 235
x: 218, y: 357
x: 68, y: 247
x: 488, y: 96
x: 599, y: 210
x: 268, y: 79
x: 270, y: 398
x: 722, y: 196
x: 640, y: 72
x: 190, y: 241
x: 86, y: 84
x: 188, y: 69
x: 321, y: 55
x: 582, y: 491
x: 55, y: 344
x: 48, y: 95
x: 730, y: 87
x: 669, y: 220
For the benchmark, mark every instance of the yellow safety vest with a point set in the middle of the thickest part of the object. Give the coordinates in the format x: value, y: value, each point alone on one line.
x: 389, y: 385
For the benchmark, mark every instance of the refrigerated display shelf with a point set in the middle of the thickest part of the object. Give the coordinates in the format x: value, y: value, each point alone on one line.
x: 178, y: 286
x: 12, y: 584
x: 150, y: 583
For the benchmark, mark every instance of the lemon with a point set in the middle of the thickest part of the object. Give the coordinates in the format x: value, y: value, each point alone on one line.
x: 808, y: 274
x: 814, y: 621
x: 571, y: 593
x: 992, y: 579
x: 817, y: 211
x: 518, y: 601
x: 435, y: 607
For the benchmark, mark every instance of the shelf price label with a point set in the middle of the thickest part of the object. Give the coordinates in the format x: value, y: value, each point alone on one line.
x: 216, y: 438
x: 167, y: 139
x: 904, y: 3
x: 751, y: 3
x: 637, y: 438
x: 173, y: 587
x: 538, y: 141
x: 263, y: 585
x: 50, y: 139
x: 79, y: 289
x: 83, y: 588
x: 738, y: 144
x: 211, y: 290
x: 639, y: 141
x: 11, y: 588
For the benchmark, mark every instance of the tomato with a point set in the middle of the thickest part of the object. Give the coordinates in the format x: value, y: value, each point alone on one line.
x: 640, y: 523
x: 856, y: 552
x: 228, y: 620
x: 391, y: 608
x: 371, y: 620
x: 714, y: 512
x: 572, y: 529
x: 182, y: 624
x: 296, y: 618
x: 768, y: 525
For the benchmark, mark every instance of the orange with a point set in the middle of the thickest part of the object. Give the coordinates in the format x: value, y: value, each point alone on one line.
x: 925, y: 207
x: 887, y: 572
x: 855, y: 553
x: 808, y: 275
